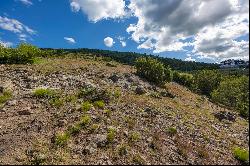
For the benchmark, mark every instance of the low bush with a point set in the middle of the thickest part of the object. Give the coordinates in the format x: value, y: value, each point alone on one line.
x: 241, y: 155
x: 86, y: 106
x: 153, y: 70
x: 61, y: 139
x: 6, y: 95
x: 183, y: 79
x: 44, y: 93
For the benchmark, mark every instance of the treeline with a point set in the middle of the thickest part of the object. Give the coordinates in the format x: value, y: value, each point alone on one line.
x: 229, y: 90
x: 25, y: 53
x: 130, y: 58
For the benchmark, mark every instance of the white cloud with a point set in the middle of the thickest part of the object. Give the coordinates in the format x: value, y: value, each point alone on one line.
x: 190, y: 59
x: 109, y: 42
x: 14, y: 26
x: 97, y: 10
x: 5, y: 44
x: 75, y: 7
x: 121, y: 39
x: 23, y: 37
x: 26, y: 2
x: 124, y: 44
x: 210, y: 28
x: 17, y: 27
x: 70, y: 40
x: 207, y: 28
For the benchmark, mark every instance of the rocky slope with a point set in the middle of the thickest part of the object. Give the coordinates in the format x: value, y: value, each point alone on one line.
x: 139, y: 123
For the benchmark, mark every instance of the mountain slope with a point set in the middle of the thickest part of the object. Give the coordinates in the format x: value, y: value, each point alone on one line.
x: 139, y: 123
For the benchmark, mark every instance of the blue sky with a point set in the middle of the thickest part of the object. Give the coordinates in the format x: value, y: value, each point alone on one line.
x: 86, y: 24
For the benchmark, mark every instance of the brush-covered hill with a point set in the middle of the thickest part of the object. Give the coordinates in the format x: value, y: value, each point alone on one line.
x: 89, y: 111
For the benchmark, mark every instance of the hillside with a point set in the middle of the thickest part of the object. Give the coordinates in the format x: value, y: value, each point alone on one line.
x: 133, y: 122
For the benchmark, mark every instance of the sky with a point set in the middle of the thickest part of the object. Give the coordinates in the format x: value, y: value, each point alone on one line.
x: 198, y: 30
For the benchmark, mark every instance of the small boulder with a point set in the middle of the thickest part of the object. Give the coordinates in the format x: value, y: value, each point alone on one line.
x: 25, y: 111
x: 140, y: 90
x: 225, y: 115
x: 100, y: 140
x: 11, y: 103
x: 62, y: 122
x: 90, y: 149
x: 114, y: 77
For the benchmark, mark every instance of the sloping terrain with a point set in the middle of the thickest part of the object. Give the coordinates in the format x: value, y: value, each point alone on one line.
x: 139, y: 123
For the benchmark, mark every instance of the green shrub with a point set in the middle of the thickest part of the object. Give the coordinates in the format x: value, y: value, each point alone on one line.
x: 85, y: 120
x: 234, y: 92
x: 71, y: 98
x: 99, y: 104
x: 122, y: 150
x: 7, y: 94
x: 137, y: 159
x: 44, y: 93
x: 61, y: 139
x: 134, y: 137
x: 111, y: 135
x: 207, y: 80
x: 172, y: 131
x: 107, y: 112
x: 94, y: 127
x: 241, y: 154
x: 72, y: 130
x: 153, y: 70
x: 56, y: 102
x: 86, y: 106
x: 117, y: 93
x: 24, y: 53
x: 183, y: 79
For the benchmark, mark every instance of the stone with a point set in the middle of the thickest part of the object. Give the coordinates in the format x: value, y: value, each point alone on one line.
x: 62, y: 122
x: 140, y: 90
x: 224, y: 115
x: 25, y: 111
x: 1, y: 89
x: 126, y: 86
x: 90, y: 149
x: 114, y: 77
x: 12, y: 103
x: 125, y: 133
x: 100, y: 140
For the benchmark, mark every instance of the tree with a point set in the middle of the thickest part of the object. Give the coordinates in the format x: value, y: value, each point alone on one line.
x: 234, y: 92
x: 153, y: 70
x: 207, y: 80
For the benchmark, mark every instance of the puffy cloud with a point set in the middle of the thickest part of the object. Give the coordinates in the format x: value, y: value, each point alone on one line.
x: 211, y: 28
x: 109, y: 42
x: 97, y: 10
x: 26, y: 2
x: 17, y: 27
x: 70, y: 40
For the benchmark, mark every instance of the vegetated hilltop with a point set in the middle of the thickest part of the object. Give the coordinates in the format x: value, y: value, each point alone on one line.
x: 86, y: 110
